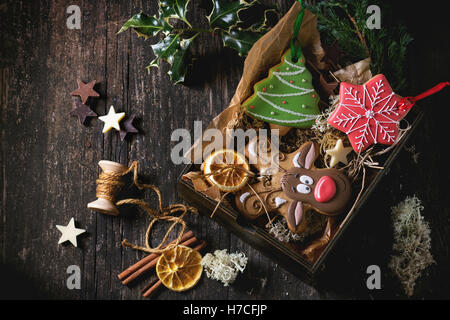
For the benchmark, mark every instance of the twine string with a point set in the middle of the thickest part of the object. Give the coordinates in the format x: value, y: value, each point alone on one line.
x: 226, y: 168
x: 218, y: 204
x: 108, y: 186
x: 262, y: 203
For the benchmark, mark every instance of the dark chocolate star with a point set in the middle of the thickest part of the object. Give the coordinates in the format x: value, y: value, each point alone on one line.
x: 82, y: 111
x: 333, y: 53
x: 85, y: 90
x: 127, y: 127
x: 328, y: 87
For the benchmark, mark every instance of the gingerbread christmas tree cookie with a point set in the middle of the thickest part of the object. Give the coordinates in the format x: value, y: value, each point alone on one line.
x: 286, y: 97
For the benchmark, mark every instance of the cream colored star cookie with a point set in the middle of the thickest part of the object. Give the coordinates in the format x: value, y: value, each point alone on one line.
x: 338, y: 153
x: 112, y: 120
x: 69, y: 232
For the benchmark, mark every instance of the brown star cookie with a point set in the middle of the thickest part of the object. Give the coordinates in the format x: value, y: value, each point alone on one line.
x: 85, y: 90
x: 127, y: 127
x: 82, y: 111
x: 328, y: 87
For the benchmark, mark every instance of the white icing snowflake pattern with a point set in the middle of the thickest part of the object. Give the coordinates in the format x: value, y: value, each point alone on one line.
x: 368, y: 113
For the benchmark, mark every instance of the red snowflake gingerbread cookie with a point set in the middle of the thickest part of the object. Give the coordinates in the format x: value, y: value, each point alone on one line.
x: 369, y: 113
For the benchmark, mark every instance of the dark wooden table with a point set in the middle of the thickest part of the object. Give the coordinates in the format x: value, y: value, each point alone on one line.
x: 49, y: 161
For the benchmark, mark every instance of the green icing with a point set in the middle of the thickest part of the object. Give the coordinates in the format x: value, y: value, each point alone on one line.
x: 290, y: 83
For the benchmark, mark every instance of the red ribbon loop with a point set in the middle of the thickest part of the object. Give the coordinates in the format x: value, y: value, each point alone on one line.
x: 409, y: 102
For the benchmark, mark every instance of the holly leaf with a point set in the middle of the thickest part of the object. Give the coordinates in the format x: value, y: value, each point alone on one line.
x: 166, y: 48
x: 270, y: 19
x: 258, y: 17
x: 225, y: 15
x: 240, y: 40
x: 181, y: 61
x: 174, y: 9
x: 174, y: 51
x: 143, y: 25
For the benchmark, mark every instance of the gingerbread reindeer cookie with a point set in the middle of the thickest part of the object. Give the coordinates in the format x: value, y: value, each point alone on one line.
x: 293, y: 186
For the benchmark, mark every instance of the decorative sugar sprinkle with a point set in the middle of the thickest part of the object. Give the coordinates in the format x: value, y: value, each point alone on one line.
x: 223, y: 266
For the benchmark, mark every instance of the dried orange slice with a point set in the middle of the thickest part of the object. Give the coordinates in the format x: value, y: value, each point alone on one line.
x: 180, y: 268
x: 227, y: 169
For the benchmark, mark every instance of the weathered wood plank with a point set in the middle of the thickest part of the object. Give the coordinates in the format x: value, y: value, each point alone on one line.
x: 49, y: 161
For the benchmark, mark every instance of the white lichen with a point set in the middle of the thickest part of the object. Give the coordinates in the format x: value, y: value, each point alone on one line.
x: 280, y: 231
x: 412, y: 243
x: 223, y: 266
x: 321, y: 125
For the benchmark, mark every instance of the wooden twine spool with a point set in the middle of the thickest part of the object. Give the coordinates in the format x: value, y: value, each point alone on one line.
x: 108, y: 186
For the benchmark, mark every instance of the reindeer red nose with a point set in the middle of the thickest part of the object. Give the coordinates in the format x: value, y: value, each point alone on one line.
x: 325, y: 189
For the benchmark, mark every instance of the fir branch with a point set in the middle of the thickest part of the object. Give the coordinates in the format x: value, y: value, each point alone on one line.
x: 360, y: 36
x: 345, y: 21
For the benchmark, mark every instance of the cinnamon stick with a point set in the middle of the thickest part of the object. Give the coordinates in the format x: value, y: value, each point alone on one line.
x: 150, y: 257
x: 200, y: 246
x: 153, y: 263
x: 145, y: 289
x: 153, y: 288
x: 158, y: 283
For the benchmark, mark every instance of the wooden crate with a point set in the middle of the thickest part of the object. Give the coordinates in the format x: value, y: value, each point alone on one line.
x: 260, y: 238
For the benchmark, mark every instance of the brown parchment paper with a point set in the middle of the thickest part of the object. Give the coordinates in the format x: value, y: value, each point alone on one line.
x: 357, y: 73
x: 266, y: 53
